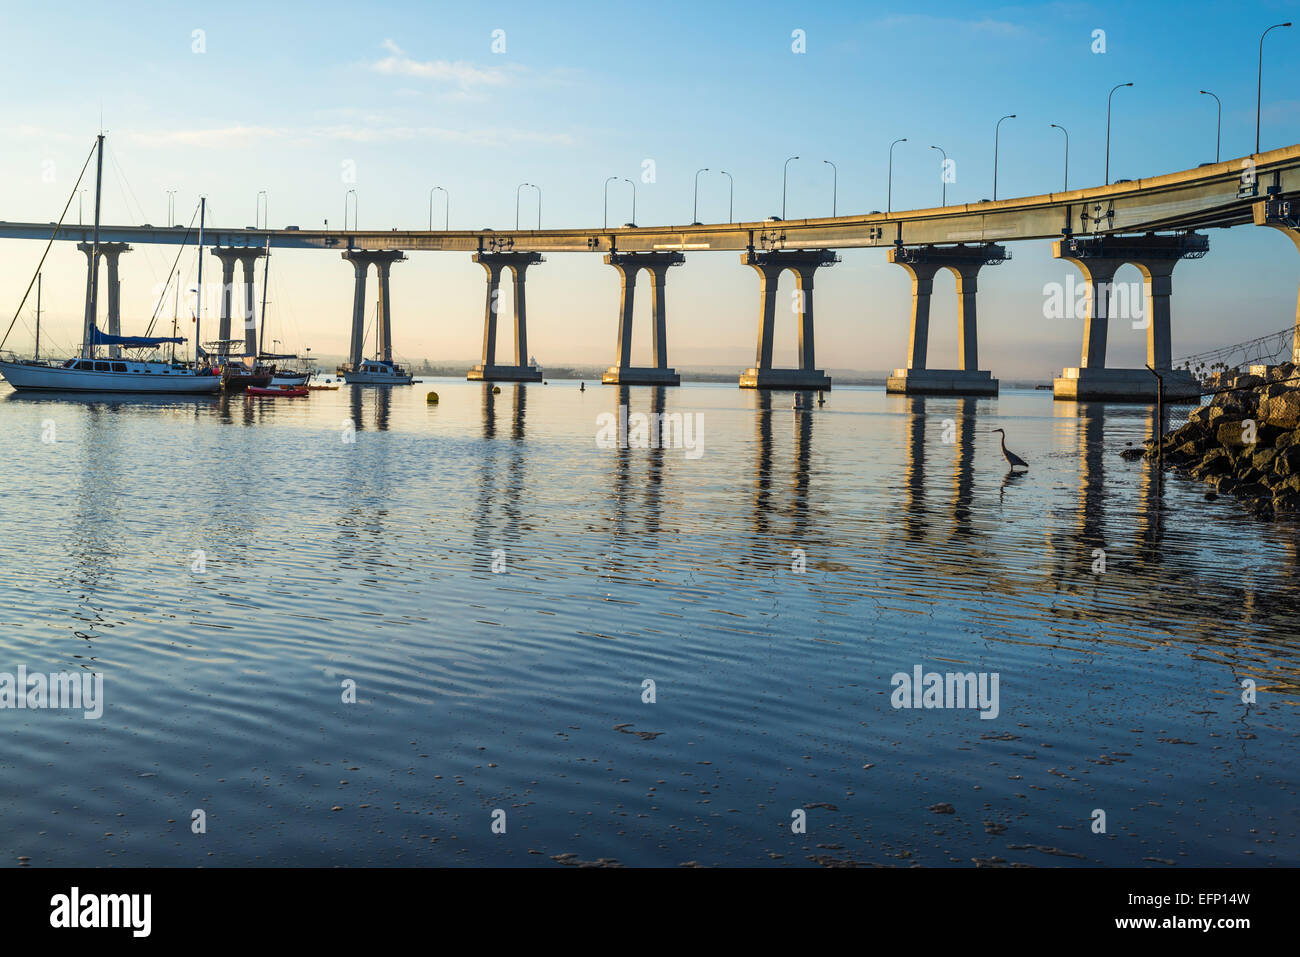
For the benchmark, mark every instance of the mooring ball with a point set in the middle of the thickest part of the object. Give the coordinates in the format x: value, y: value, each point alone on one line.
x: 431, y: 398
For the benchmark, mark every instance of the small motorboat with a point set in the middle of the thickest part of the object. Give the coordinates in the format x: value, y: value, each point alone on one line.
x: 283, y: 392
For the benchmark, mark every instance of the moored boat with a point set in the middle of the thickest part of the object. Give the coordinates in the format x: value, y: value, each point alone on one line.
x: 283, y: 392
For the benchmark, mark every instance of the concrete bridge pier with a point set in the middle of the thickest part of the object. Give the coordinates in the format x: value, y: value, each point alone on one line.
x: 923, y: 263
x: 628, y: 266
x: 248, y: 259
x: 362, y: 260
x: 228, y: 255
x: 1284, y: 216
x: 110, y: 252
x: 769, y: 264
x: 488, y: 370
x: 1099, y: 258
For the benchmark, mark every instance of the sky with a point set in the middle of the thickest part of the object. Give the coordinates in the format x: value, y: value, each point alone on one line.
x: 308, y: 101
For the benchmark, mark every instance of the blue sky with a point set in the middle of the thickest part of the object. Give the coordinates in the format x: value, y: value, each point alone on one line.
x: 288, y: 97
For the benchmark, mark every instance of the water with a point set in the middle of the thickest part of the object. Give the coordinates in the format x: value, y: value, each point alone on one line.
x: 521, y: 689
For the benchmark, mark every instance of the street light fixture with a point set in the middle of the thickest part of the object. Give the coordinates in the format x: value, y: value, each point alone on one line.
x: 695, y: 205
x: 263, y: 213
x: 997, y: 130
x: 608, y: 180
x: 889, y: 192
x: 1218, y: 126
x: 785, y: 174
x: 353, y: 194
x: 835, y: 185
x: 171, y: 206
x: 731, y: 190
x: 1067, y: 154
x: 446, y: 206
x: 943, y: 174
x: 1259, y: 87
x: 633, y: 185
x: 1112, y: 93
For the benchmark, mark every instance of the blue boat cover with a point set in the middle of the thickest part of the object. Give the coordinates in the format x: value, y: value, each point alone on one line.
x: 99, y: 338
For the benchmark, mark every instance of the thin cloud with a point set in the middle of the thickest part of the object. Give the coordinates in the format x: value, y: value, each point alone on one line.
x: 465, y: 75
x: 232, y: 137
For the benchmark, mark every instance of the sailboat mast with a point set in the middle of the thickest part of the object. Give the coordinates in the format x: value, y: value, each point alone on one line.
x: 38, y: 317
x: 176, y: 308
x: 198, y: 317
x: 87, y: 346
x: 266, y: 270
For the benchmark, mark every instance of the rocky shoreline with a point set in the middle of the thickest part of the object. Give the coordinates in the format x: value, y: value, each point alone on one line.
x: 1246, y: 442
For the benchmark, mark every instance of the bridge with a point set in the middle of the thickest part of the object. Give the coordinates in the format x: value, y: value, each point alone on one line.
x: 1151, y: 223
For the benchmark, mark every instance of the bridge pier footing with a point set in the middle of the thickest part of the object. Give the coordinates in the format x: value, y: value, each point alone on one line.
x: 769, y: 264
x: 1098, y: 258
x: 488, y: 370
x: 922, y: 263
x: 629, y: 266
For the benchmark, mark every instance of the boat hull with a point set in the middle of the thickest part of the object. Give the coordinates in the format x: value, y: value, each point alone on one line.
x: 374, y: 378
x: 36, y: 378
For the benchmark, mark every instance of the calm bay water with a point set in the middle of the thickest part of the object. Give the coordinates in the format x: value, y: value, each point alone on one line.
x: 521, y: 688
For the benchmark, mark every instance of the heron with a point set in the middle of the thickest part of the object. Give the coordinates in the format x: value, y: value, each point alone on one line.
x: 1012, y: 459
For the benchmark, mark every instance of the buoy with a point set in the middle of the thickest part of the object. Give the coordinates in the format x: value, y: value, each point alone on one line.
x: 496, y: 389
x: 431, y: 398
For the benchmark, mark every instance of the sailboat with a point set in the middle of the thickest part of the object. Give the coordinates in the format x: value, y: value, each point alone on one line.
x: 90, y: 372
x: 281, y: 377
x: 376, y: 371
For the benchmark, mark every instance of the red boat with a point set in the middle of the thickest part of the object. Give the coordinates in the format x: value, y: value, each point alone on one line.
x: 286, y: 392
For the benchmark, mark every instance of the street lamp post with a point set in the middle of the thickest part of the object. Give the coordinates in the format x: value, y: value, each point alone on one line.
x: 353, y: 194
x: 171, y: 206
x: 1218, y: 126
x: 943, y: 173
x: 608, y: 180
x: 997, y: 130
x: 889, y: 189
x: 446, y: 207
x: 517, y: 189
x: 1112, y: 93
x: 1067, y: 154
x: 633, y: 185
x: 835, y: 185
x: 785, y: 174
x: 1259, y: 87
x: 695, y: 205
x: 731, y: 192
x: 263, y: 214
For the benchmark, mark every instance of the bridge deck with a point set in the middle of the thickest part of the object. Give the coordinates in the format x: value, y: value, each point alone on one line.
x: 1207, y: 197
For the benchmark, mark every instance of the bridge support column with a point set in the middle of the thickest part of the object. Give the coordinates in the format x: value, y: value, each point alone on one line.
x: 1099, y: 258
x: 228, y: 255
x: 769, y: 265
x: 1284, y: 216
x: 628, y: 266
x: 522, y: 370
x: 382, y: 260
x: 110, y: 252
x: 923, y: 263
x: 248, y: 258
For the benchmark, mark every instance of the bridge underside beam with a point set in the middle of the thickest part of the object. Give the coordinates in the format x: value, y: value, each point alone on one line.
x: 922, y: 263
x: 1099, y: 258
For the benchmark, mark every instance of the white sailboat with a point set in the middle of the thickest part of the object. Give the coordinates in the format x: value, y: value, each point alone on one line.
x: 376, y: 371
x: 90, y: 372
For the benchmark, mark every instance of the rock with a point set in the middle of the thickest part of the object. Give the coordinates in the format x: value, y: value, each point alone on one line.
x: 1282, y: 371
x: 1247, y: 381
x: 1224, y: 483
x: 1231, y: 434
x: 1287, y: 461
x: 1200, y: 416
x: 1283, y: 484
x: 1286, y: 502
x: 1253, y: 490
x: 1215, y: 462
x: 1286, y: 439
x: 1263, y: 459
x: 1132, y: 452
x: 1218, y: 414
x: 1282, y: 410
